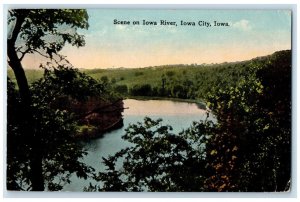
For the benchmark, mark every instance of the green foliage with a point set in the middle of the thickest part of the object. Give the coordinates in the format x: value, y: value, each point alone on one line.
x: 253, y: 134
x: 48, y: 30
x: 141, y: 90
x: 65, y: 80
x: 247, y: 149
x: 177, y: 81
x: 158, y: 161
x: 113, y: 81
x: 61, y: 153
x: 122, y: 89
x: 104, y: 79
x: 138, y: 73
x: 40, y: 146
x: 170, y: 73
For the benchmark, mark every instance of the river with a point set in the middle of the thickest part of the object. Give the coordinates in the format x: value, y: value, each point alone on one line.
x: 179, y: 115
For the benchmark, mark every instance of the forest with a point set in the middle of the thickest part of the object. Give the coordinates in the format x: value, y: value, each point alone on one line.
x: 247, y: 149
x: 189, y: 81
x: 51, y: 109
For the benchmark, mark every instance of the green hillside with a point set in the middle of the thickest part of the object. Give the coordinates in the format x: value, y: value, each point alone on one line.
x: 174, y: 81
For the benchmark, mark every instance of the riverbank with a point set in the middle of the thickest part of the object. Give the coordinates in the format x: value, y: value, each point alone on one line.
x: 100, y: 119
x: 182, y: 117
x: 105, y: 117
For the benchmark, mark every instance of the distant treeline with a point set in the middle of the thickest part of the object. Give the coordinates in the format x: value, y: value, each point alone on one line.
x: 174, y: 81
x: 182, y: 81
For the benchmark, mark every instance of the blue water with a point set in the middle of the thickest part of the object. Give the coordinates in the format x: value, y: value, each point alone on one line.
x: 180, y: 115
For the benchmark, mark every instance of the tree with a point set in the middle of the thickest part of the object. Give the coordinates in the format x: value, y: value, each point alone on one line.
x: 170, y: 73
x: 248, y: 148
x: 104, y: 80
x: 57, y: 126
x: 122, y: 89
x: 141, y: 90
x: 252, y: 137
x: 43, y: 32
x: 158, y: 160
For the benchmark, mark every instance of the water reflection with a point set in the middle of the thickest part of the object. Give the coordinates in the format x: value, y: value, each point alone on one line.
x: 160, y: 107
x: 179, y: 115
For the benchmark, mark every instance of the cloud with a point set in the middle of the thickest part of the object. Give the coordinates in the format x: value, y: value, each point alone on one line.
x: 242, y: 25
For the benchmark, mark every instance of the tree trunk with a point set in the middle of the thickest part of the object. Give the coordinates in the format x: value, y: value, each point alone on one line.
x: 32, y: 136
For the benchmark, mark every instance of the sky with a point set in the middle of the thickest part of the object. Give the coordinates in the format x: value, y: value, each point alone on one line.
x: 250, y: 33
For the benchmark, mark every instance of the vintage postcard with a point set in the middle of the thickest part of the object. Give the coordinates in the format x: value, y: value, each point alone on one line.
x: 149, y: 100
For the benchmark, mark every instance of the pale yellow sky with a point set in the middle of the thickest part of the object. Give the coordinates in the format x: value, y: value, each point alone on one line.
x: 82, y: 58
x: 251, y: 33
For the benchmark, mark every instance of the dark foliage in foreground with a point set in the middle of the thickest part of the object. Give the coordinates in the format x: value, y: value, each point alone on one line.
x: 61, y: 153
x: 247, y: 149
x: 43, y: 32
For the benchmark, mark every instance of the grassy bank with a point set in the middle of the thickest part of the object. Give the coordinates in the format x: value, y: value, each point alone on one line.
x: 189, y: 83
